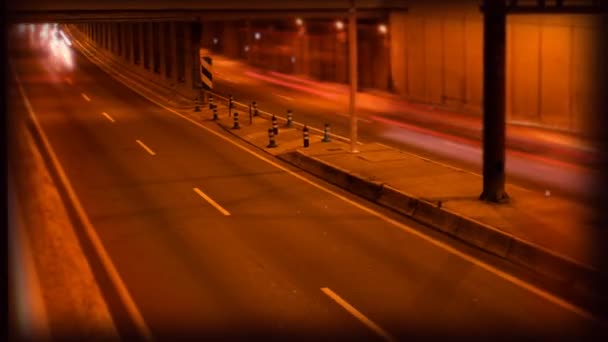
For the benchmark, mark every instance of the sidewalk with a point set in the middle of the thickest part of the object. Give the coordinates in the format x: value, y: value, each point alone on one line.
x: 550, y: 235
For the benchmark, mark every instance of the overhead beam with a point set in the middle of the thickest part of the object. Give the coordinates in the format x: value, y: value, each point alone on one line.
x: 185, y: 15
x: 556, y: 6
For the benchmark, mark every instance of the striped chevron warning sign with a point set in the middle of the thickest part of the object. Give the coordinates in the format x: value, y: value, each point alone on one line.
x: 206, y: 72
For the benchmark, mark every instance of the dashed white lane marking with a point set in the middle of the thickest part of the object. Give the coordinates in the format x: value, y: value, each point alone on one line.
x: 108, y: 116
x: 358, y: 315
x: 149, y: 150
x: 84, y: 96
x: 211, y: 201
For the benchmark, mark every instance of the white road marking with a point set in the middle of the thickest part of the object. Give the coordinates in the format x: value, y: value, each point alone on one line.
x: 211, y: 201
x: 358, y: 315
x: 285, y: 97
x: 84, y: 96
x: 113, y: 274
x: 507, y: 277
x: 149, y: 150
x: 69, y: 80
x: 108, y: 116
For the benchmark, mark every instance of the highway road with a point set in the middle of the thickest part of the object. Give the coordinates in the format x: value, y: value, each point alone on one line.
x: 211, y: 238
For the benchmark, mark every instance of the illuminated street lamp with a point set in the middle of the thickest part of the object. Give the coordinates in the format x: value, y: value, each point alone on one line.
x: 339, y: 25
x: 257, y: 35
x: 299, y: 21
x: 382, y: 29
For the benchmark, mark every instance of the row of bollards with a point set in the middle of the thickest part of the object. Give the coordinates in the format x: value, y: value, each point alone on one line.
x: 305, y: 136
x: 274, y: 130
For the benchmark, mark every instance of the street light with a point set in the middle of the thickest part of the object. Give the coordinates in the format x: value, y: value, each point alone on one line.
x: 299, y: 21
x: 382, y: 29
x: 339, y: 25
x: 257, y: 35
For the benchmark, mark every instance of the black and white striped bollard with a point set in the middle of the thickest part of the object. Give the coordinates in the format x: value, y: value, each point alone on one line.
x: 306, y: 137
x: 275, y: 126
x: 289, y: 118
x: 236, y: 121
x: 210, y: 101
x: 230, y: 105
x: 326, y: 134
x: 271, y: 142
x: 214, y: 112
x: 255, y: 108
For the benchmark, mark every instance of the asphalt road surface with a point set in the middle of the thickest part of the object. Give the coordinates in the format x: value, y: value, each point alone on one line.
x: 211, y: 239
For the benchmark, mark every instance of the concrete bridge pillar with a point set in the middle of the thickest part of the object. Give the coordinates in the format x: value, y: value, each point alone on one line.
x: 188, y: 56
x: 162, y: 49
x: 106, y: 36
x: 114, y: 38
x: 172, y: 62
x: 124, y: 35
x: 141, y: 44
x: 149, y: 29
x: 131, y: 31
x: 118, y: 37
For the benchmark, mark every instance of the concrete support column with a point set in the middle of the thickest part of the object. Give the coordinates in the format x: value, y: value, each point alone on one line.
x: 118, y: 38
x: 106, y: 36
x: 124, y: 36
x: 150, y: 46
x: 162, y: 49
x: 172, y: 52
x: 494, y: 124
x: 141, y: 28
x: 131, y: 41
x: 188, y: 56
x: 112, y: 38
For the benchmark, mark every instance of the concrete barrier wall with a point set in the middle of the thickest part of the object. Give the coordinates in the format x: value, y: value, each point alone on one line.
x: 436, y: 58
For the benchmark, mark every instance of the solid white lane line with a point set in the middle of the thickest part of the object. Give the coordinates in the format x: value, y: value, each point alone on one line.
x: 211, y: 201
x: 491, y: 269
x: 84, y: 96
x: 358, y: 315
x: 107, y: 263
x: 107, y: 116
x: 145, y: 147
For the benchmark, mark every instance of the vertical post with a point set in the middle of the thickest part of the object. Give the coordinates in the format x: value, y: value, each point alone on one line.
x: 188, y: 56
x: 494, y: 54
x: 150, y: 46
x: 352, y: 44
x: 132, y: 42
x: 125, y: 40
x: 141, y: 32
x: 162, y: 50
x: 173, y: 73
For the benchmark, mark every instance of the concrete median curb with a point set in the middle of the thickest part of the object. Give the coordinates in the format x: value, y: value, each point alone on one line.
x: 545, y: 262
